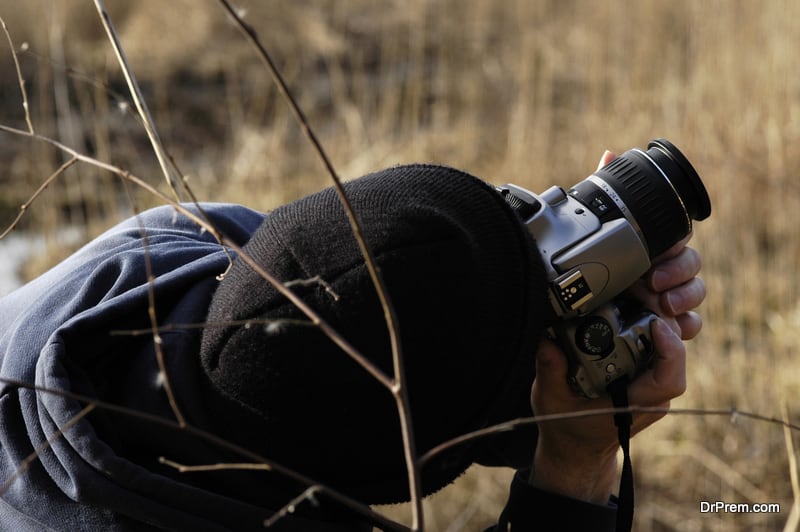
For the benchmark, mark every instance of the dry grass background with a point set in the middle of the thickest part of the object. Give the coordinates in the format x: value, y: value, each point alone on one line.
x: 529, y: 92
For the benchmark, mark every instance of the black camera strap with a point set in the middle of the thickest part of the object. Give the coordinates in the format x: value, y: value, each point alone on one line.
x: 623, y: 420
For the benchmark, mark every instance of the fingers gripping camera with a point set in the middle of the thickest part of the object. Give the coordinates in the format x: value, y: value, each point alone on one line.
x: 596, y: 240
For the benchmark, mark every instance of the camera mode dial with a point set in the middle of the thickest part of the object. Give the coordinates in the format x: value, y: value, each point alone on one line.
x: 523, y: 202
x: 595, y: 336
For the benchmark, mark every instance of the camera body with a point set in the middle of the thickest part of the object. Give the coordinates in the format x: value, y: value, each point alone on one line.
x: 596, y: 240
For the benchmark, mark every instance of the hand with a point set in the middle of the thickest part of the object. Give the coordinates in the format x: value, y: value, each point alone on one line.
x: 577, y: 456
x: 671, y: 287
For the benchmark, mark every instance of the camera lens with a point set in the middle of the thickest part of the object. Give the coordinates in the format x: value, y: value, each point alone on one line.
x: 683, y: 176
x: 660, y: 189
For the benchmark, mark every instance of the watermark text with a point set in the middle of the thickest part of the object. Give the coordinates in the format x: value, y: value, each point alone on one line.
x: 740, y: 507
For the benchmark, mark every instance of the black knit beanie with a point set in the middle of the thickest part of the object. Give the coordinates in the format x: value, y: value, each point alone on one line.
x: 468, y: 288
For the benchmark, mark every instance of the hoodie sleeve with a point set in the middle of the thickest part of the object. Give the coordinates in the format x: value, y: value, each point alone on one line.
x: 55, y: 335
x: 529, y: 508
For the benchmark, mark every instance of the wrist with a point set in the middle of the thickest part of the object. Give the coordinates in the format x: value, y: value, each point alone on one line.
x: 590, y: 478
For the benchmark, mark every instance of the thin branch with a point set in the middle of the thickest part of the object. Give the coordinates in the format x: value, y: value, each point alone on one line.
x: 25, y: 105
x: 290, y: 507
x: 138, y: 99
x: 26, y: 463
x: 121, y: 101
x: 794, y: 515
x: 398, y: 388
x: 394, y: 385
x: 25, y: 206
x: 159, y: 150
x: 123, y: 104
x: 193, y: 199
x: 143, y: 116
x: 324, y: 326
x: 151, y: 313
x: 316, y: 320
x: 312, y: 281
x: 790, y: 451
x: 514, y: 424
x: 271, y: 325
x: 793, y: 521
x: 261, y: 463
x: 222, y: 443
x: 241, y: 466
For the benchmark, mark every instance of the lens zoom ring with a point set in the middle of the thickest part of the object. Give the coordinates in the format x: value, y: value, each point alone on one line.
x: 650, y: 198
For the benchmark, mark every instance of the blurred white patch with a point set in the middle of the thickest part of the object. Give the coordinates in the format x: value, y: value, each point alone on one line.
x: 15, y: 250
x: 18, y: 247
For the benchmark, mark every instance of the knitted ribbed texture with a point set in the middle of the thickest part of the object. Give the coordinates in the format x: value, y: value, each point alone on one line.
x: 468, y: 289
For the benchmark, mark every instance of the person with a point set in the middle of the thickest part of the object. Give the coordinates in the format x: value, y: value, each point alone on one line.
x: 245, y: 364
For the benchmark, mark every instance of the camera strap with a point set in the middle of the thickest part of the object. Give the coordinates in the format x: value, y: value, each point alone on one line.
x: 623, y: 420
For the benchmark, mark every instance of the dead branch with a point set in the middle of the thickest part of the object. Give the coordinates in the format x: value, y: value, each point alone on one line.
x: 397, y: 386
x: 258, y: 462
x: 182, y: 468
x: 290, y: 507
x: 511, y: 425
x: 151, y: 313
x: 316, y: 320
x: 270, y: 324
x: 25, y: 206
x: 25, y: 105
x: 26, y: 463
x: 138, y: 99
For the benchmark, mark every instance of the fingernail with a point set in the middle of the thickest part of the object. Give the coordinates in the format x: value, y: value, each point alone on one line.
x: 659, y: 327
x: 664, y: 327
x: 659, y: 280
x: 674, y: 302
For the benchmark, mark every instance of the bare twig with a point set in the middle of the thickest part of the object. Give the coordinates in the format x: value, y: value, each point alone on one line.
x: 312, y: 281
x: 290, y: 507
x: 138, y: 99
x: 26, y: 463
x: 511, y: 425
x: 222, y: 443
x: 25, y: 105
x: 261, y: 463
x: 158, y: 148
x: 245, y: 466
x: 151, y: 313
x: 168, y: 165
x: 121, y: 102
x: 394, y: 385
x: 793, y: 521
x: 397, y: 387
x: 316, y: 320
x: 270, y: 325
x: 25, y: 206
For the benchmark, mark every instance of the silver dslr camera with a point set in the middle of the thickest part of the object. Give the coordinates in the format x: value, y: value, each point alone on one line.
x: 596, y: 240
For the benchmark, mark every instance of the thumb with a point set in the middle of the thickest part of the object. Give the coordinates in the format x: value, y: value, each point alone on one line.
x: 666, y: 379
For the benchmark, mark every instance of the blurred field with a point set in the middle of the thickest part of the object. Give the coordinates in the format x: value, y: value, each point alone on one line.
x: 529, y: 92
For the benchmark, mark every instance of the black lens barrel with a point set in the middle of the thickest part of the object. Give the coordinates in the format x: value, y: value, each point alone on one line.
x: 662, y: 191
